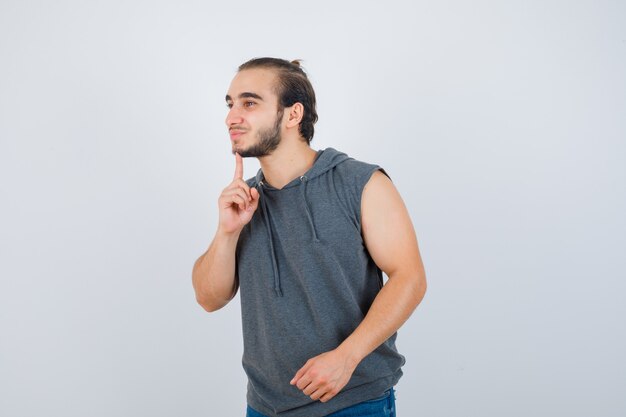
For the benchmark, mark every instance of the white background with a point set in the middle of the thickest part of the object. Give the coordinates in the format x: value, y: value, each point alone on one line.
x: 502, y: 125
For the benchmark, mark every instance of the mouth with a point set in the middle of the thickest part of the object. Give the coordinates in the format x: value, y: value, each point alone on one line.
x: 235, y: 134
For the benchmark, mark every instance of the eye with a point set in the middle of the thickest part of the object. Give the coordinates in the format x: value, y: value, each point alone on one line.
x: 249, y: 104
x: 229, y: 105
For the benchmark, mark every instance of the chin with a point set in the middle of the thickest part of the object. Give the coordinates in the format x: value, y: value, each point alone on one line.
x: 236, y: 148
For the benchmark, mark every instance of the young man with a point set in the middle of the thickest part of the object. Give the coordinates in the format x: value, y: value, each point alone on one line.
x: 305, y: 240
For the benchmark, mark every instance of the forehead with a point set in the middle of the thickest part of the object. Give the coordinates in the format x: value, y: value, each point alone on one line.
x: 257, y: 80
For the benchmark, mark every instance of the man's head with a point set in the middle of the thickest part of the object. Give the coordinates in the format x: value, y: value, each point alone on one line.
x: 266, y: 97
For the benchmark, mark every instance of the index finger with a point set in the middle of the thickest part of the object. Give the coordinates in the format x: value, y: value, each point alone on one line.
x: 238, y: 166
x: 300, y: 373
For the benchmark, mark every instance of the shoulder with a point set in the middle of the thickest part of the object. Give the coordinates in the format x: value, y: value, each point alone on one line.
x: 378, y: 184
x: 359, y: 171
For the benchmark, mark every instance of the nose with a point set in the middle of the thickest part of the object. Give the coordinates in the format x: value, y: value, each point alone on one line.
x: 233, y: 117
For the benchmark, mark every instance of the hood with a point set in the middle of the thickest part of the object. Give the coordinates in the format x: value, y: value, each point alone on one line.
x: 325, y: 160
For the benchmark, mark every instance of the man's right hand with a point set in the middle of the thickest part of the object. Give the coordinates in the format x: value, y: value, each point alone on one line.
x: 238, y: 202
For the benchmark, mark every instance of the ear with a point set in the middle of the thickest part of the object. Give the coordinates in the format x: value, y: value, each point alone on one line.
x: 295, y: 114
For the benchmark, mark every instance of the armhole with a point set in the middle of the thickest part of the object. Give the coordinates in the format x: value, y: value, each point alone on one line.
x: 367, y: 177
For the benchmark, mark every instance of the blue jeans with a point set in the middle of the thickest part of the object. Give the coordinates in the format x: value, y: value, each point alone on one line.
x: 384, y: 406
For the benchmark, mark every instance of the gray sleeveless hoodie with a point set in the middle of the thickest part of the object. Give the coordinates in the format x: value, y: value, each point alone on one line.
x: 306, y: 281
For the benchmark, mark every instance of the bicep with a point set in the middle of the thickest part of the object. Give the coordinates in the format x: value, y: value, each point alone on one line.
x: 387, y: 229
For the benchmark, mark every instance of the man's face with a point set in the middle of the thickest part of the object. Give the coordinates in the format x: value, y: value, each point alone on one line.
x: 253, y: 121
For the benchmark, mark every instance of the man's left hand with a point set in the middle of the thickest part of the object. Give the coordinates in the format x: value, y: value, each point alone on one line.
x: 323, y: 376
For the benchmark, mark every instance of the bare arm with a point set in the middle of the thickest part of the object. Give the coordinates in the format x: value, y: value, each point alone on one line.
x: 214, y: 277
x: 390, y: 239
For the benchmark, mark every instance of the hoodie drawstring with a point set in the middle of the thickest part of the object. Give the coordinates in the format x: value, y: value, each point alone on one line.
x: 304, y: 180
x: 325, y: 160
x: 266, y: 219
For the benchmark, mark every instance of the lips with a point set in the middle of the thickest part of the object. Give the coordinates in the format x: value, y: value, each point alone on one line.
x: 234, y: 134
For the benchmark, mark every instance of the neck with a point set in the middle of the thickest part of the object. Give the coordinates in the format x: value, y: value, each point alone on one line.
x: 290, y: 160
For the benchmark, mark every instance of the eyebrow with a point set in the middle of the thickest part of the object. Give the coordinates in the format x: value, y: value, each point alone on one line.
x: 245, y: 95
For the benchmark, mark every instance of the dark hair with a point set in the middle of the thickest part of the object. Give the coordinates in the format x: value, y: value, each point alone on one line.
x: 293, y: 86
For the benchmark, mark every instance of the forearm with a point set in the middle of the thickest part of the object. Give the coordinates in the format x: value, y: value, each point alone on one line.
x: 393, y: 305
x: 213, y: 274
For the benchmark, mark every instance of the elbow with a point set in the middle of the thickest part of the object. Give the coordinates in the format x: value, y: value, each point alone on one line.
x: 211, y: 304
x: 202, y: 297
x: 413, y: 284
x: 209, y: 308
x: 421, y: 287
x: 421, y: 294
x: 418, y: 289
x: 208, y: 304
x: 210, y: 298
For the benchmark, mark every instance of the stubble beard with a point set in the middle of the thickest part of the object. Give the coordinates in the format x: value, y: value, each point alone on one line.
x: 267, y: 140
